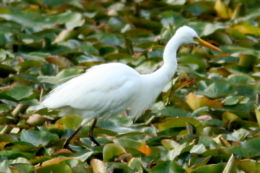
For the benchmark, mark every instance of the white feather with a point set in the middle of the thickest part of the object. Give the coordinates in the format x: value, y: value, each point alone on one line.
x: 112, y: 88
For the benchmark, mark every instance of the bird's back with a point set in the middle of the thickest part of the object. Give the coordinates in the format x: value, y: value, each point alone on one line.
x: 107, y: 88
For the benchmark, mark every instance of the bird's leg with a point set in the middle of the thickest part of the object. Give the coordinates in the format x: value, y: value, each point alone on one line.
x: 91, y: 133
x: 67, y: 142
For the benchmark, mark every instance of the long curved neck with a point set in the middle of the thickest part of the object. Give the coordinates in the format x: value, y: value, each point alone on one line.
x: 170, y: 51
x: 164, y: 74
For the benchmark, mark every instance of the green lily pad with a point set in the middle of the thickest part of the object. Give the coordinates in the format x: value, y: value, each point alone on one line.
x: 59, y: 168
x: 175, y: 112
x: 240, y: 79
x: 70, y: 121
x: 198, y: 149
x: 249, y: 148
x: 213, y: 168
x: 38, y: 21
x: 110, y: 151
x: 61, y: 77
x: 248, y: 165
x: 18, y: 92
x: 37, y: 138
x: 231, y: 100
x: 179, y: 122
x: 217, y: 89
x: 167, y: 166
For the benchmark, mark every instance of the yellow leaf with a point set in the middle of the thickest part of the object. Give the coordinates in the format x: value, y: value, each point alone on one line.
x: 63, y: 35
x: 2, y: 145
x: 60, y: 61
x: 191, y: 100
x: 230, y: 164
x: 222, y: 10
x: 63, y: 151
x: 98, y: 166
x: 229, y: 117
x: 145, y: 149
x: 248, y: 165
x: 53, y: 161
x: 247, y: 29
x: 197, y: 101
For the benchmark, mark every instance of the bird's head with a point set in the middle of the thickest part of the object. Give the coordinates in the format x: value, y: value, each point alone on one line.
x: 187, y: 35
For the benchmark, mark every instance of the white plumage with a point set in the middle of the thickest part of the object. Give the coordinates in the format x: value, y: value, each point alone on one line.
x: 111, y: 88
x: 102, y: 90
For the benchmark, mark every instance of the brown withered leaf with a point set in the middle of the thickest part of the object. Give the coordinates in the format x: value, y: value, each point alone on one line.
x: 60, y: 61
x: 197, y: 101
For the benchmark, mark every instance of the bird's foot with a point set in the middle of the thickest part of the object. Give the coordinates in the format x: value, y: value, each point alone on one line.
x: 96, y: 143
x: 66, y: 145
x: 91, y: 133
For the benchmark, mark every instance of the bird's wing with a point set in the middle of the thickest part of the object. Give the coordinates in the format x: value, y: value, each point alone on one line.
x: 101, y: 88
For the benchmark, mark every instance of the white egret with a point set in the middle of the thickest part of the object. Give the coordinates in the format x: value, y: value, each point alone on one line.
x: 112, y: 88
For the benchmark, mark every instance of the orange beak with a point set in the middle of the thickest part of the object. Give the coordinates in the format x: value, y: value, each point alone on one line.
x: 207, y: 44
